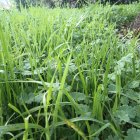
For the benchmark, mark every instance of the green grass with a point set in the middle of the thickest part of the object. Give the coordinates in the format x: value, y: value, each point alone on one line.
x: 66, y: 74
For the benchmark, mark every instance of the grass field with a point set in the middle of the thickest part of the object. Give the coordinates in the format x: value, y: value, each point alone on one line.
x: 67, y: 74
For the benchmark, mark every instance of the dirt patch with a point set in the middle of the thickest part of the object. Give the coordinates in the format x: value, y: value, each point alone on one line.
x: 135, y: 25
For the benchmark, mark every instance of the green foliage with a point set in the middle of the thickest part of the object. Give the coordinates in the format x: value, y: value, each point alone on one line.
x: 67, y: 74
x: 133, y: 134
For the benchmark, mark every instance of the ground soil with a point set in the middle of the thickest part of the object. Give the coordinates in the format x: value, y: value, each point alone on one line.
x: 135, y: 25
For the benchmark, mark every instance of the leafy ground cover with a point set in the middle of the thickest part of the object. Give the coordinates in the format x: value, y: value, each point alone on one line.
x: 66, y: 74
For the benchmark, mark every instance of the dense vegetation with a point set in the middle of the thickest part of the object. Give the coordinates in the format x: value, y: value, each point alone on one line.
x: 68, y: 74
x: 69, y: 3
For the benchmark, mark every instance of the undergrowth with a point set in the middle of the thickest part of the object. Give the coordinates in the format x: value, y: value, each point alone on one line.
x: 65, y: 74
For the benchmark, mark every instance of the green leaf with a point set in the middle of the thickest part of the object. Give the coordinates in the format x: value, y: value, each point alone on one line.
x: 126, y: 113
x: 15, y: 109
x: 134, y: 84
x: 121, y: 63
x: 77, y: 96
x: 84, y: 108
x: 100, y: 130
x: 129, y: 110
x: 29, y: 98
x: 112, y: 76
x: 133, y: 134
x: 131, y: 94
x: 124, y: 100
x: 112, y: 87
x: 17, y: 127
x: 121, y: 114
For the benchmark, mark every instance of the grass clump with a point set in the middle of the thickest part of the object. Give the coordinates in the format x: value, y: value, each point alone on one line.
x: 65, y: 74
